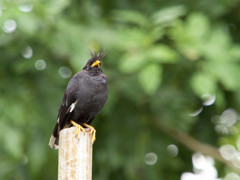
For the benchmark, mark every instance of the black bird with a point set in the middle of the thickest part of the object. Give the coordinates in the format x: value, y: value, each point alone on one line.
x: 85, y: 96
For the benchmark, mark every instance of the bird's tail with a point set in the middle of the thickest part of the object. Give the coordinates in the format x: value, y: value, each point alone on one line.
x: 53, y: 143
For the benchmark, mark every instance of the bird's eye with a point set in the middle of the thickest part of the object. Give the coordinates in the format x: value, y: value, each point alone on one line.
x: 89, y: 64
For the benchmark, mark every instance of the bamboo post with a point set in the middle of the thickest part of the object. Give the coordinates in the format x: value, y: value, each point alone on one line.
x: 75, y: 156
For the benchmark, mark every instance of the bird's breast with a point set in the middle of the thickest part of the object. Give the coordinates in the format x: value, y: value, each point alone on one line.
x: 92, y: 94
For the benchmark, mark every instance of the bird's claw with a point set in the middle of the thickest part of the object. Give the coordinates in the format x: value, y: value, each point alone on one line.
x: 79, y: 128
x: 93, y: 132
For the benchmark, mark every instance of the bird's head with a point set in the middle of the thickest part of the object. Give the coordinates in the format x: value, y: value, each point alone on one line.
x: 94, y: 64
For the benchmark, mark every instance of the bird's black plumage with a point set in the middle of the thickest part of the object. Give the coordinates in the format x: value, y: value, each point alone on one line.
x: 84, y: 97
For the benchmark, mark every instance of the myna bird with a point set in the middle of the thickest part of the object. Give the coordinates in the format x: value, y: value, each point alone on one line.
x: 85, y: 96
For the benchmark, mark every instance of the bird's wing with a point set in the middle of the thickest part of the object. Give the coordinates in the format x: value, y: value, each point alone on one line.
x: 68, y: 103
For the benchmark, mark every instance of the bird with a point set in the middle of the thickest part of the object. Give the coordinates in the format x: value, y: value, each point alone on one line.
x: 84, y: 97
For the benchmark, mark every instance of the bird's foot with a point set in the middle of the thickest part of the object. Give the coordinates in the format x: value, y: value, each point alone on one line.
x: 79, y: 129
x: 93, y: 131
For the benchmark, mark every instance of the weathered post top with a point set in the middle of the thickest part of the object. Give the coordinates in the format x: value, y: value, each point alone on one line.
x: 75, y: 156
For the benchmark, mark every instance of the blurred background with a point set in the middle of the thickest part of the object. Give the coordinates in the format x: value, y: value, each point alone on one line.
x: 174, y: 89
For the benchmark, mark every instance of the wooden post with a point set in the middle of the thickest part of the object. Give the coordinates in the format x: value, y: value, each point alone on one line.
x: 75, y: 157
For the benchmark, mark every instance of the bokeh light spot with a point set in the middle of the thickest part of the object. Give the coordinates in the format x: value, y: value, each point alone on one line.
x: 197, y: 112
x: 232, y: 176
x: 238, y: 143
x: 227, y: 151
x: 221, y: 129
x: 9, y: 26
x: 26, y: 7
x: 189, y: 176
x: 225, y: 122
x: 27, y: 52
x: 236, y: 160
x: 172, y: 150
x: 208, y: 173
x: 25, y: 160
x: 40, y: 64
x: 204, y: 166
x: 198, y: 161
x: 215, y: 119
x: 208, y: 99
x: 229, y: 117
x: 50, y: 20
x: 233, y: 130
x: 65, y: 72
x: 150, y: 158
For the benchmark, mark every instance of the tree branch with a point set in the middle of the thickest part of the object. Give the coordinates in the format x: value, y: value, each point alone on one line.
x: 195, y: 145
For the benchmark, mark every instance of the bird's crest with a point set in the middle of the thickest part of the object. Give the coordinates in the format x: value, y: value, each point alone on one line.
x: 98, y: 56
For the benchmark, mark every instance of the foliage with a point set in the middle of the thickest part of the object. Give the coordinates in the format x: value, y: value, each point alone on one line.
x: 165, y: 60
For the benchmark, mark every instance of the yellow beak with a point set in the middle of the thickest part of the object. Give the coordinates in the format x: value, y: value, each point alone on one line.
x: 96, y: 63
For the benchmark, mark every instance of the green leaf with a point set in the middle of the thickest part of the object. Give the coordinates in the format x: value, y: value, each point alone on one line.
x: 132, y: 62
x: 235, y: 52
x: 37, y: 154
x: 28, y: 24
x: 13, y: 141
x: 168, y: 14
x: 227, y: 73
x: 197, y: 25
x: 130, y: 16
x: 56, y: 6
x: 220, y: 99
x: 23, y: 65
x: 163, y: 54
x: 216, y: 48
x: 202, y: 83
x: 150, y: 78
x: 132, y: 39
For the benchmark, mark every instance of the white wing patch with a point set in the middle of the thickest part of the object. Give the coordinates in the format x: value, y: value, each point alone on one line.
x: 71, y: 108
